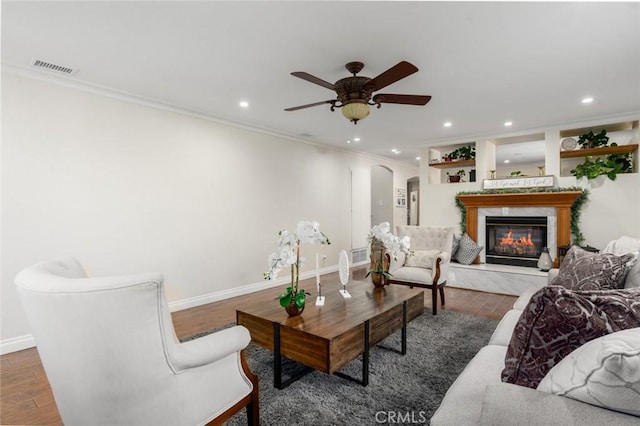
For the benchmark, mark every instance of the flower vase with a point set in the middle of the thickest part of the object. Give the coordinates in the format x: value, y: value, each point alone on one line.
x: 293, y: 310
x: 545, y: 263
x: 378, y: 280
x: 380, y: 261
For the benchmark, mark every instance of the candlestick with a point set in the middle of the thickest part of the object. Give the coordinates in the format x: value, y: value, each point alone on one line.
x: 317, y: 269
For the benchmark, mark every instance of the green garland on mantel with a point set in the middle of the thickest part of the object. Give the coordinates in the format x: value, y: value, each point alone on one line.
x: 578, y: 237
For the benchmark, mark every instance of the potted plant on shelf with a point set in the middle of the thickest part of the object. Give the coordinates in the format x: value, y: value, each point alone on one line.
x: 593, y: 140
x: 467, y: 152
x: 287, y: 253
x: 457, y: 176
x: 611, y: 166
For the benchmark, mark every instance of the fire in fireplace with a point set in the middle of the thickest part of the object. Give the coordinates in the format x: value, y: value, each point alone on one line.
x: 515, y: 240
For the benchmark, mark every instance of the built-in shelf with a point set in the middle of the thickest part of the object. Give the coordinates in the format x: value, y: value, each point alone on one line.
x: 620, y: 149
x: 453, y: 164
x: 610, y: 128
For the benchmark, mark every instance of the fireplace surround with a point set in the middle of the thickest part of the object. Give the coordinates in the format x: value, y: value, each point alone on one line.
x: 560, y: 201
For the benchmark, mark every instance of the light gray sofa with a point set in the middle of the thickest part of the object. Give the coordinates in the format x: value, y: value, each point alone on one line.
x: 479, y: 397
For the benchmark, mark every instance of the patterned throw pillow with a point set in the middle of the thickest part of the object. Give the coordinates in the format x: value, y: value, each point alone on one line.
x: 583, y: 270
x: 558, y: 321
x: 468, y: 250
x: 422, y: 259
x: 454, y: 246
x: 604, y: 372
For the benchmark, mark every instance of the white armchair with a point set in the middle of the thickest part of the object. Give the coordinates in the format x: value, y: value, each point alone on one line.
x: 111, y: 355
x: 428, y: 267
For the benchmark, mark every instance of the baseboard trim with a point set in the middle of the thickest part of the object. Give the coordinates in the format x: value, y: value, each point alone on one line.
x: 217, y: 296
x: 20, y: 343
x: 16, y: 344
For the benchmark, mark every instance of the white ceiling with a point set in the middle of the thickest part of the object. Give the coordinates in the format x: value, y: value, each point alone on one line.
x: 483, y: 63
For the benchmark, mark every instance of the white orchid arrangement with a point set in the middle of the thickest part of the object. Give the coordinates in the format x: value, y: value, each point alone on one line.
x: 287, y: 253
x: 392, y: 244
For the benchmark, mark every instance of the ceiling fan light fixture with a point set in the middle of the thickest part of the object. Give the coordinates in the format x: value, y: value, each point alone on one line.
x: 355, y: 111
x: 354, y: 94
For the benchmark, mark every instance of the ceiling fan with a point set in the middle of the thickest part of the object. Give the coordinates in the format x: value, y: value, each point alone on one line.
x: 354, y: 94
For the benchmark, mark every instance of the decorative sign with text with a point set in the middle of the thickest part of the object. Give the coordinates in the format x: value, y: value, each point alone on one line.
x: 518, y: 182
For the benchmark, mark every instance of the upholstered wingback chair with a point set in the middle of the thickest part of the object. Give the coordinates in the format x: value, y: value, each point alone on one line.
x: 427, y: 267
x: 111, y: 355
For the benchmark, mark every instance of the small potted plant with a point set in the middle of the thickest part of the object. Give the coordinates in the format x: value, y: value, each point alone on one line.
x: 457, y: 176
x: 467, y: 152
x: 611, y: 166
x: 287, y: 253
x: 593, y: 140
x: 384, y: 245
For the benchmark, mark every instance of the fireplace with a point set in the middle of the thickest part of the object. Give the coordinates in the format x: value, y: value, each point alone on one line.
x: 515, y: 240
x: 559, y: 227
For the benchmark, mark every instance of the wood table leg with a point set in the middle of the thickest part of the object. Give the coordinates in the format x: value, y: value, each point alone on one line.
x: 365, y: 360
x: 404, y: 328
x: 277, y: 363
x: 277, y: 357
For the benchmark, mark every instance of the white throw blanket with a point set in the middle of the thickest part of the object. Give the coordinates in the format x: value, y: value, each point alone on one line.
x: 622, y: 245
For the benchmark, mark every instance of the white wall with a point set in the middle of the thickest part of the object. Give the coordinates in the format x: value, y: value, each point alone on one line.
x: 382, y: 195
x: 527, y: 169
x: 130, y: 188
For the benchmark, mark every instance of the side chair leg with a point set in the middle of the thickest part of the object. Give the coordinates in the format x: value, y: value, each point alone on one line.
x: 442, y: 295
x: 253, y: 413
x: 434, y: 299
x: 253, y: 408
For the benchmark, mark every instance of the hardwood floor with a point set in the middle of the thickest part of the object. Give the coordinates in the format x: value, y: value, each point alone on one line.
x: 26, y: 397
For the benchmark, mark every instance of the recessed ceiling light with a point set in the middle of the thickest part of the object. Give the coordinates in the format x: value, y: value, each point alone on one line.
x: 587, y: 100
x: 395, y: 151
x: 348, y: 141
x: 448, y: 124
x: 508, y: 123
x: 418, y: 158
x: 356, y: 139
x: 244, y: 104
x: 506, y: 161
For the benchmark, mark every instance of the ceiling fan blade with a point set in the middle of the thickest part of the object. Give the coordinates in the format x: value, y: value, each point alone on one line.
x: 387, y: 98
x: 309, y: 105
x: 313, y: 79
x: 393, y: 74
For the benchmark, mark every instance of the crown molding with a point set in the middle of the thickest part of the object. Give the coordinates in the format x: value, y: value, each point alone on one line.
x: 73, y: 83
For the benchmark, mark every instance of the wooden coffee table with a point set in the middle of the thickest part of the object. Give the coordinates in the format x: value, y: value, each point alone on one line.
x: 325, y: 338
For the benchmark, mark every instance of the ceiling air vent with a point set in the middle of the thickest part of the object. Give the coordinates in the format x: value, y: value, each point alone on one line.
x: 44, y: 65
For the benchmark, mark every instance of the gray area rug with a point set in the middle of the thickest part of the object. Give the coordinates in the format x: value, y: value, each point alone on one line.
x: 438, y: 348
